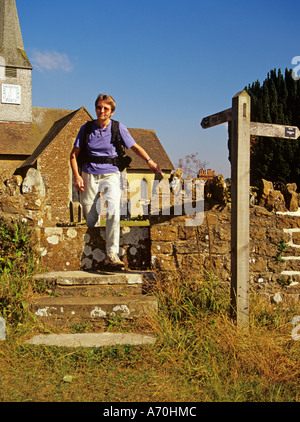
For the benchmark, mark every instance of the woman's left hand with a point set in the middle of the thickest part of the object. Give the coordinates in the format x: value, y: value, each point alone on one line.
x: 155, y: 167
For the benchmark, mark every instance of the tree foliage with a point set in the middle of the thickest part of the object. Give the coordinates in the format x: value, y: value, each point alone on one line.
x: 275, y: 101
x: 190, y: 165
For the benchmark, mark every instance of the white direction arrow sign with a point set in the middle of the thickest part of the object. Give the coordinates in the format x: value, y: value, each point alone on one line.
x: 257, y: 129
x: 274, y: 131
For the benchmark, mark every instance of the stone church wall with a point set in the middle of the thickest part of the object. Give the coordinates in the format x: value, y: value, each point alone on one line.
x: 9, y: 163
x: 19, y: 112
x: 54, y: 165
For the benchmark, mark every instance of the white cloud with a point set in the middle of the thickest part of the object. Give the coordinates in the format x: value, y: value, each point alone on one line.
x: 51, y: 60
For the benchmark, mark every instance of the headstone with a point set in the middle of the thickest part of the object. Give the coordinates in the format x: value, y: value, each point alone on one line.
x: 2, y: 329
x: 33, y: 183
x: 291, y: 197
x: 270, y: 198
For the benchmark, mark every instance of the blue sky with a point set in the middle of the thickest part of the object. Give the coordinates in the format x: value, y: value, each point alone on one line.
x: 167, y: 63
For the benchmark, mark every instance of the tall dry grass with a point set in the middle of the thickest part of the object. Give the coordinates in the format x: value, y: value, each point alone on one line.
x: 199, y: 354
x: 198, y: 337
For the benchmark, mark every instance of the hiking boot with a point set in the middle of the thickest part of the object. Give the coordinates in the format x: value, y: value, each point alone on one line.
x: 113, y: 261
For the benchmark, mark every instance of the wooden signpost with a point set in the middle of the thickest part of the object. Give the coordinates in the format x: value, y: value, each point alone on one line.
x: 241, y: 129
x: 217, y: 119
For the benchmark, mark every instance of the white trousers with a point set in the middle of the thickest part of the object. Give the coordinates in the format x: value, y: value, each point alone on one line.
x: 109, y: 185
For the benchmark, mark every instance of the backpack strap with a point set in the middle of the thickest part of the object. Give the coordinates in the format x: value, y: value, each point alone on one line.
x: 82, y: 156
x: 123, y: 160
x: 116, y: 138
x: 87, y: 131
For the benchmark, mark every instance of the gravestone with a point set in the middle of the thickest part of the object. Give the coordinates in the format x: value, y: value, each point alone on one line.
x: 2, y: 329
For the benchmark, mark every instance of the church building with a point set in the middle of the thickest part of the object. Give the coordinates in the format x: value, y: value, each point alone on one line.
x: 41, y: 137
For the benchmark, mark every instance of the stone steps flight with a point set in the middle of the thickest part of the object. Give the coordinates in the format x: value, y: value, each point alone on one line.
x: 78, y: 297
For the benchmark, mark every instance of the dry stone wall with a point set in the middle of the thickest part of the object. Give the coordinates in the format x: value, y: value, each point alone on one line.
x: 168, y: 245
x: 23, y: 199
x: 274, y: 252
x: 75, y: 248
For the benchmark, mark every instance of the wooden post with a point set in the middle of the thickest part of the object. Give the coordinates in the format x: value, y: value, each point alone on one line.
x: 241, y: 128
x: 240, y: 215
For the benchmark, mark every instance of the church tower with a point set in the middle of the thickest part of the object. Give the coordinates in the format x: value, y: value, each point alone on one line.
x: 15, y: 68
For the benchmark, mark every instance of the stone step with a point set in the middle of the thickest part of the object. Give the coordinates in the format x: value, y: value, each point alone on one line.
x: 292, y: 276
x: 91, y: 283
x: 94, y: 297
x: 292, y: 263
x: 92, y: 339
x: 291, y: 251
x: 67, y: 310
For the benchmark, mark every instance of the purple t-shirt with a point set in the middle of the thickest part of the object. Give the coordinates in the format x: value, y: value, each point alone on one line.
x: 100, y: 145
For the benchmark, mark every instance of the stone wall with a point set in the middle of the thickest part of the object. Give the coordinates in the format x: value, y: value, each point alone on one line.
x: 274, y: 248
x: 24, y: 200
x: 75, y: 248
x: 19, y: 112
x: 9, y: 163
x: 66, y: 248
x: 54, y: 165
x: 168, y: 244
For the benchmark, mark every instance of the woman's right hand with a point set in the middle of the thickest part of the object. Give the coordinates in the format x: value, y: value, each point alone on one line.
x: 79, y: 184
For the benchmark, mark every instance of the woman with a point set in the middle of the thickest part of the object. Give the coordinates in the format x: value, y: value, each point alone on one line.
x: 100, y: 173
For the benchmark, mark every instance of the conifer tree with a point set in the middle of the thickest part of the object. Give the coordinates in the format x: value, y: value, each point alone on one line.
x: 276, y: 101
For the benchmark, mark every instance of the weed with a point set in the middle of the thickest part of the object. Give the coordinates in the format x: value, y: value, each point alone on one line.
x: 283, y: 281
x: 81, y: 327
x: 281, y: 247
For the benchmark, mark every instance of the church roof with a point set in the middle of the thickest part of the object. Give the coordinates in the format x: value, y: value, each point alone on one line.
x: 22, y: 138
x: 49, y: 123
x: 148, y: 140
x: 17, y: 138
x: 45, y: 118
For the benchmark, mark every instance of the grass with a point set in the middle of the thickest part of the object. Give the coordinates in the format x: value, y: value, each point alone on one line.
x: 199, y: 355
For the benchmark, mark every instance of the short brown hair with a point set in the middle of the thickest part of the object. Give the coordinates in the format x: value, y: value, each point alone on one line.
x: 108, y: 99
